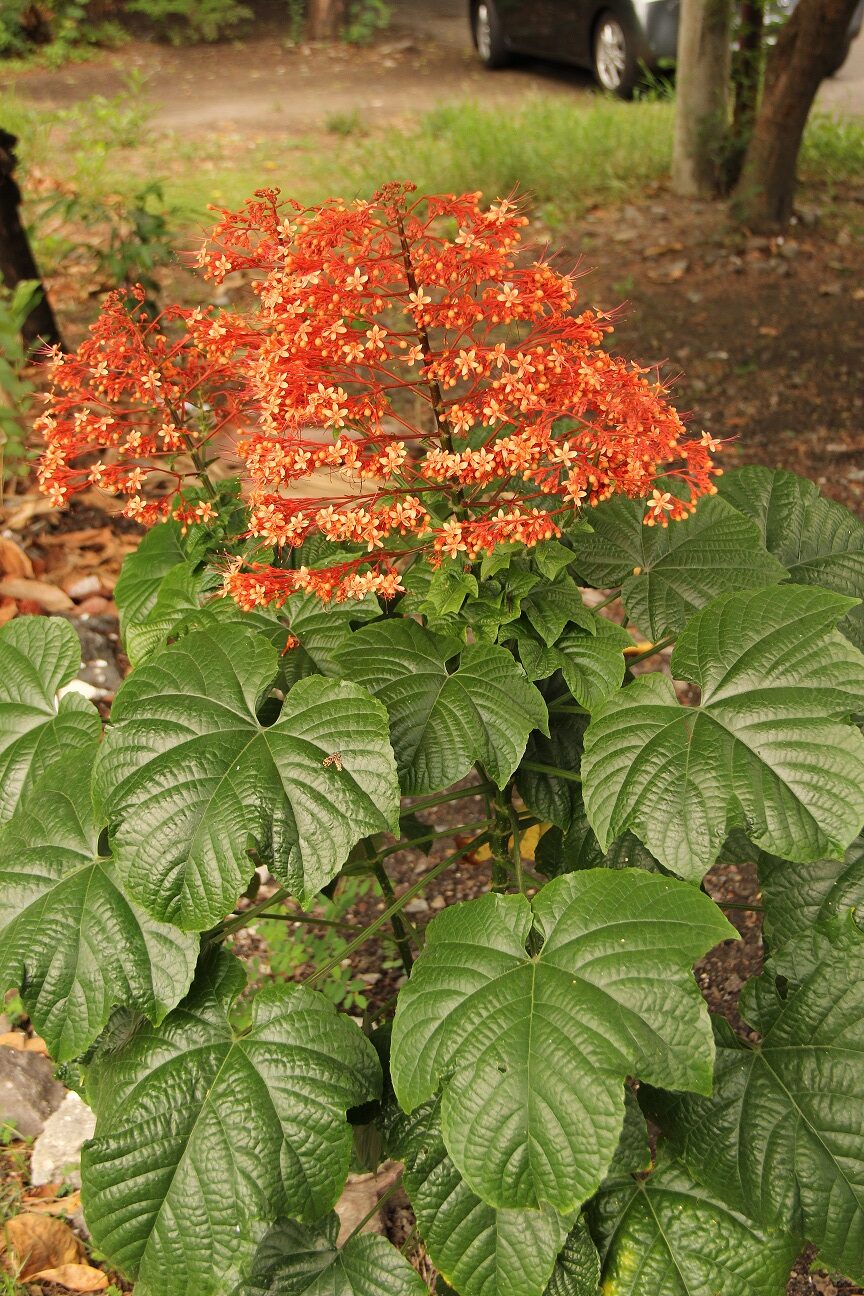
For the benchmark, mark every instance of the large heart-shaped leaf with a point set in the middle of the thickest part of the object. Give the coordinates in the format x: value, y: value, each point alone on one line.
x: 766, y: 751
x: 191, y: 779
x: 531, y: 1049
x: 38, y: 656
x: 479, y: 1250
x: 442, y: 723
x: 295, y: 1260
x: 667, y: 573
x: 782, y: 1136
x: 204, y: 1138
x: 68, y: 934
x: 665, y: 1235
x: 817, y: 540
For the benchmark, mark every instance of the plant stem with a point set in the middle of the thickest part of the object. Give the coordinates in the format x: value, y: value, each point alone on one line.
x: 476, y: 789
x: 734, y: 904
x: 652, y: 651
x: 248, y: 915
x: 499, y: 813
x: 309, y: 919
x: 399, y: 904
x: 516, y: 848
x: 408, y: 842
x: 400, y: 930
x: 536, y: 768
x: 610, y: 598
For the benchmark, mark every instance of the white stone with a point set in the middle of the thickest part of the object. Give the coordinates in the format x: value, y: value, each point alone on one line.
x: 57, y: 1150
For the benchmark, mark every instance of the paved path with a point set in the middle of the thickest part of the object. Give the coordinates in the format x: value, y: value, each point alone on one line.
x: 262, y: 86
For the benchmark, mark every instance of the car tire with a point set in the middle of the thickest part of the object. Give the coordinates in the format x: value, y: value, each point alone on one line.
x: 488, y: 36
x: 613, y: 55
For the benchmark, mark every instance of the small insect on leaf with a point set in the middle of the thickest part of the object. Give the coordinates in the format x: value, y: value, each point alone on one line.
x: 335, y: 758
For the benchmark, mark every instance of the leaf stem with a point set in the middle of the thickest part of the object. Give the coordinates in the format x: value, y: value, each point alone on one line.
x: 399, y: 904
x: 610, y: 598
x: 406, y: 843
x: 309, y: 919
x: 248, y: 915
x: 400, y: 928
x: 552, y: 770
x: 652, y: 651
x: 476, y: 789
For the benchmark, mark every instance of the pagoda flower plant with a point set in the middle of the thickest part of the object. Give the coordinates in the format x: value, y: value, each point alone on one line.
x: 382, y: 636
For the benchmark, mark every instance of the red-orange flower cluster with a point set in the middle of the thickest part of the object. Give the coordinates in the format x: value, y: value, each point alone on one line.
x: 404, y: 382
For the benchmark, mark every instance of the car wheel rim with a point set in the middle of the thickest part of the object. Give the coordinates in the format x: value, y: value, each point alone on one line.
x: 483, y: 32
x: 610, y: 53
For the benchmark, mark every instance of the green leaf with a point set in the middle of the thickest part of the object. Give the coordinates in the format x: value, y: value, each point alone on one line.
x: 180, y: 591
x: 480, y: 1251
x: 322, y: 629
x: 531, y: 1050
x: 294, y: 1260
x: 799, y: 897
x: 68, y: 934
x: 551, y: 607
x: 38, y: 655
x: 591, y: 659
x: 191, y: 779
x: 667, y: 573
x: 766, y: 751
x: 577, y: 1269
x: 552, y: 798
x: 817, y: 540
x: 160, y: 550
x: 441, y: 723
x: 782, y: 1136
x: 551, y: 557
x: 665, y: 1235
x: 204, y: 1138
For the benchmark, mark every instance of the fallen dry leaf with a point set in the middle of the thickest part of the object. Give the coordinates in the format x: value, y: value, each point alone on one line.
x: 8, y: 610
x: 47, y: 596
x: 13, y: 1039
x: 28, y: 507
x: 13, y: 559
x: 74, y: 1277
x: 36, y: 1242
x: 36, y: 1044
x: 51, y: 1205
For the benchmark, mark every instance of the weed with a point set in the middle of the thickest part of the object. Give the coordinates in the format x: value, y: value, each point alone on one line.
x: 344, y: 123
x: 16, y: 390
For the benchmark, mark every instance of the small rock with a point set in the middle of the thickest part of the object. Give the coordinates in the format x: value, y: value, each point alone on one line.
x: 57, y: 1150
x: 788, y: 248
x: 28, y: 1091
x: 417, y: 905
x: 78, y: 587
x: 830, y: 289
x: 95, y: 605
x: 437, y: 902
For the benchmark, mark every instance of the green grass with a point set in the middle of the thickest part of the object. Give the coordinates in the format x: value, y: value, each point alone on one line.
x: 563, y: 154
x: 833, y: 149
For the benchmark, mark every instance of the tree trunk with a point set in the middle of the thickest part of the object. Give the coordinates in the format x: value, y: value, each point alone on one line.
x: 702, y: 97
x: 807, y: 50
x: 746, y: 81
x: 322, y: 19
x: 16, y: 258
